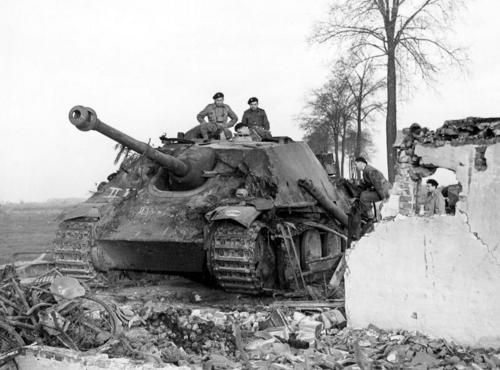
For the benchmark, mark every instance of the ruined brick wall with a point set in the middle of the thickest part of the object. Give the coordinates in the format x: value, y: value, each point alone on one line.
x: 404, y: 186
x: 474, y: 132
x: 438, y: 275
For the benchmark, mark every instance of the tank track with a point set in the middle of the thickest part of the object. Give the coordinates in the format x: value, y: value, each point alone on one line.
x: 74, y: 240
x: 234, y: 258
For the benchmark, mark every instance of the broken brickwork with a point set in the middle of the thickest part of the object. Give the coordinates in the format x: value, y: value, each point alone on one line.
x: 437, y: 275
x: 410, y: 168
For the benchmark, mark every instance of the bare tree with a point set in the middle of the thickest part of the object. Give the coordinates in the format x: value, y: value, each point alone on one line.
x: 329, y: 112
x: 338, y: 111
x: 364, y: 89
x: 317, y: 136
x: 367, y: 144
x: 405, y: 33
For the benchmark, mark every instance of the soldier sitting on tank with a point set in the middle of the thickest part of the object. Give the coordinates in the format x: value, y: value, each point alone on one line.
x: 255, y: 119
x: 217, y: 114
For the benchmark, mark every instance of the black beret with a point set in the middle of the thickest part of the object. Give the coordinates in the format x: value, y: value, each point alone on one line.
x: 218, y: 95
x: 415, y: 127
x: 433, y: 182
x: 253, y: 99
x: 361, y: 159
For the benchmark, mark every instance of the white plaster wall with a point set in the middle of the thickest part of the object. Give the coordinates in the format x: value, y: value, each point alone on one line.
x: 456, y: 158
x: 446, y: 156
x: 483, y: 201
x: 425, y: 274
x: 480, y: 189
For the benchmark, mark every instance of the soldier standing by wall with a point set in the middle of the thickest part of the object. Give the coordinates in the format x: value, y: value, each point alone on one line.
x: 434, y: 203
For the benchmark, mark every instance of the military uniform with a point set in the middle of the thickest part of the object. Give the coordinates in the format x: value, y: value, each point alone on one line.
x: 376, y: 187
x: 434, y: 204
x: 257, y: 122
x: 217, y: 120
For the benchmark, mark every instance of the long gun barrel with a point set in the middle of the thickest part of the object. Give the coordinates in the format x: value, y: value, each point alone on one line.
x: 85, y: 119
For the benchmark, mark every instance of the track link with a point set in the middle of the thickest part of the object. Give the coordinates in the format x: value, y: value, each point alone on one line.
x: 74, y: 240
x: 239, y: 258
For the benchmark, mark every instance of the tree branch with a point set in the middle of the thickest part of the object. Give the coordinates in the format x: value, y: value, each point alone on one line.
x: 410, y: 19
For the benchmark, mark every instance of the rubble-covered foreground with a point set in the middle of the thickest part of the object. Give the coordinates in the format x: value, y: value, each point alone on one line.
x: 286, y: 338
x: 169, y: 326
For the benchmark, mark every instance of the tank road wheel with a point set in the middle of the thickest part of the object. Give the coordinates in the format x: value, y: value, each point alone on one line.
x: 242, y: 260
x: 320, y: 250
x: 310, y: 247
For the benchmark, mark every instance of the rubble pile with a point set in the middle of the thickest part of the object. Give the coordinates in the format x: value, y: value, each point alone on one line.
x: 180, y: 335
x: 281, y: 335
x: 179, y: 332
x: 192, y: 332
x: 288, y: 338
x: 373, y: 347
x: 471, y: 130
x: 54, y: 311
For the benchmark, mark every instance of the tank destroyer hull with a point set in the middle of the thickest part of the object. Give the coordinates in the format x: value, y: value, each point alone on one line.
x: 212, y: 207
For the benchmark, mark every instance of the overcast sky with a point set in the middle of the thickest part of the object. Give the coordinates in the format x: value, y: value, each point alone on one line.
x: 149, y: 67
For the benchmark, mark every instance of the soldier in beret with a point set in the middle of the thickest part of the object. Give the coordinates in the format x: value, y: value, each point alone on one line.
x: 255, y: 119
x: 218, y: 114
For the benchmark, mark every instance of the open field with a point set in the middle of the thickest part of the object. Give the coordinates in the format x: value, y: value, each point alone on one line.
x: 27, y: 230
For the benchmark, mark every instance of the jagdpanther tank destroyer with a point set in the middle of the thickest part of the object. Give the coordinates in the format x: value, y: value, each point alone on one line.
x: 254, y: 216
